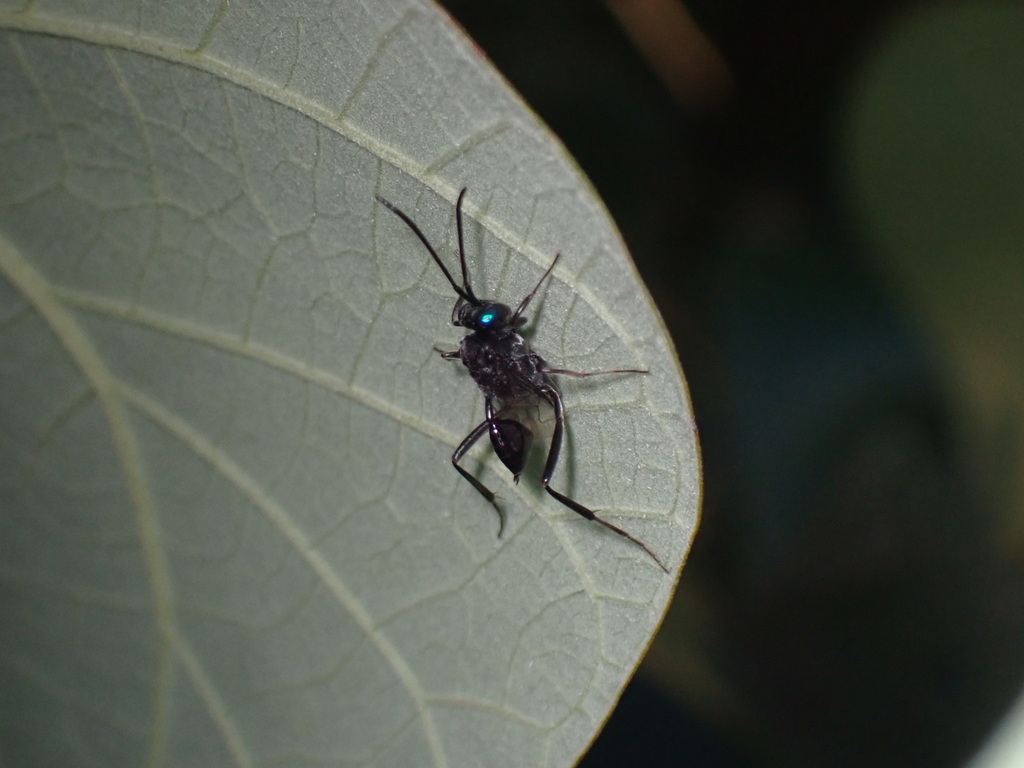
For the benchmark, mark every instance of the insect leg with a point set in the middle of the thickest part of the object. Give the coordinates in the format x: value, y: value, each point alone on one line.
x: 454, y: 354
x: 479, y: 431
x: 531, y: 294
x: 581, y: 374
x: 552, y: 395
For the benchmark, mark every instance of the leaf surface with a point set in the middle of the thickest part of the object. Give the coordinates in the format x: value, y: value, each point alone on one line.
x: 232, y: 534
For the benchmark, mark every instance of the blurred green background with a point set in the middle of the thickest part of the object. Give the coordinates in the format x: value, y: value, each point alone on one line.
x: 826, y: 201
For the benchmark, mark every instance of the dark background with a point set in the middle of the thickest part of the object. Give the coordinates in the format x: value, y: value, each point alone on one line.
x: 850, y: 599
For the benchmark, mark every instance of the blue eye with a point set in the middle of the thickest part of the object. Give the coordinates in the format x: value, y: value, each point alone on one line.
x: 486, y: 319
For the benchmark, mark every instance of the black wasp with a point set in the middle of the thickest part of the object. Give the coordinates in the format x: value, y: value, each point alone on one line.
x: 507, y: 372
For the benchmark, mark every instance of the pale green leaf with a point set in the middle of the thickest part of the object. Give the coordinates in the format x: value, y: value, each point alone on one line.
x: 231, y: 531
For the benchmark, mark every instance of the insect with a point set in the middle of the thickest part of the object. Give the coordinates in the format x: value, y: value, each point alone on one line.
x: 507, y: 372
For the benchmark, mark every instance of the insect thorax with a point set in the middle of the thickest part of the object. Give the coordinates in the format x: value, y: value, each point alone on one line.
x: 502, y: 367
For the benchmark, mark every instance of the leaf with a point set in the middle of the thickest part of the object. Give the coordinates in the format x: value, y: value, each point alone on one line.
x: 232, y: 534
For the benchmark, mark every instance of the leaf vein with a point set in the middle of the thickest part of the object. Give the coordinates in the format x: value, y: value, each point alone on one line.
x: 288, y: 528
